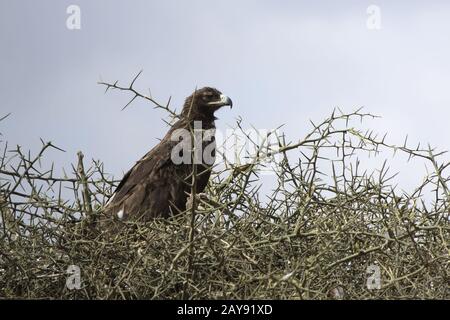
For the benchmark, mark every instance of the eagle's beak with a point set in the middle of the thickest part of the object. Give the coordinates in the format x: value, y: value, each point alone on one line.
x: 224, y: 101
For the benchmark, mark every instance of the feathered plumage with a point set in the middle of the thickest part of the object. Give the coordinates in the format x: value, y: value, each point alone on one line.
x: 158, y: 186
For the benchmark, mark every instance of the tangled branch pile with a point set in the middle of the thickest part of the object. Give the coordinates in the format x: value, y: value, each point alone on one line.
x: 348, y: 234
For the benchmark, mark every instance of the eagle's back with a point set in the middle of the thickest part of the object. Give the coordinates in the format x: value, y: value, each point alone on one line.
x: 156, y: 186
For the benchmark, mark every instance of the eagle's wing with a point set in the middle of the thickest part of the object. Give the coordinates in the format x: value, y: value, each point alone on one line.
x: 152, y: 161
x: 147, y: 185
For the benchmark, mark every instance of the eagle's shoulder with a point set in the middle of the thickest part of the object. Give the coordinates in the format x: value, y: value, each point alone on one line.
x: 146, y: 169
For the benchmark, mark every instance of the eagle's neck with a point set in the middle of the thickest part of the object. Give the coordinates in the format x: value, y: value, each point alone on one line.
x: 193, y: 123
x: 206, y: 122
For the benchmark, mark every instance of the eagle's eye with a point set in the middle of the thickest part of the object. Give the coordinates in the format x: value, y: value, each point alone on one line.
x: 208, y: 95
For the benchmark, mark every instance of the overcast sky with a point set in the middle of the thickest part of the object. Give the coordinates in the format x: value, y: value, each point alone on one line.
x: 282, y: 62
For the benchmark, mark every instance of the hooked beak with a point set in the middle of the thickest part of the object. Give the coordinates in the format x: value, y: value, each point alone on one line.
x: 224, y: 101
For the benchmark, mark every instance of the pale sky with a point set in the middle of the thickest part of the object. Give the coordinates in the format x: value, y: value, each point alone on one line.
x: 282, y: 62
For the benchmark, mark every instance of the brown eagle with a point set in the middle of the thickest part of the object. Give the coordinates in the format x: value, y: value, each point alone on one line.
x: 159, y: 184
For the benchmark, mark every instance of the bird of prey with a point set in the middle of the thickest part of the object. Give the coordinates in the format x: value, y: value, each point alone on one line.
x: 159, y: 184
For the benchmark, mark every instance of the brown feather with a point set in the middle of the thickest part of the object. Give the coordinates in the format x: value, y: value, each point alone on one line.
x: 157, y: 187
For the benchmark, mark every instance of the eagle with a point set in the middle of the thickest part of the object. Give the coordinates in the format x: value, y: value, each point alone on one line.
x: 160, y: 183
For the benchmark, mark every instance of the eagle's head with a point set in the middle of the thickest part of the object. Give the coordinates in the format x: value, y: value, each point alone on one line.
x: 204, y: 102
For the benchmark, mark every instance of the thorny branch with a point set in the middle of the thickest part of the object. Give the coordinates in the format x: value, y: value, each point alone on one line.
x: 313, y: 237
x: 137, y: 94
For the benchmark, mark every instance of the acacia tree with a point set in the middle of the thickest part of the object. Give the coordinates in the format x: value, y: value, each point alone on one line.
x: 346, y: 234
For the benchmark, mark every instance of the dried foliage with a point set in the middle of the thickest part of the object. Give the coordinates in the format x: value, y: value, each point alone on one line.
x: 318, y: 236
